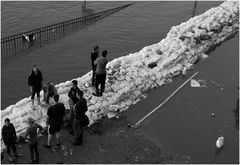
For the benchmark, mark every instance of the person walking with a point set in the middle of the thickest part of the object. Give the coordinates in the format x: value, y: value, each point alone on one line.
x: 78, y: 122
x: 55, y: 114
x: 101, y: 73
x: 32, y: 139
x: 94, y: 56
x: 35, y: 82
x: 72, y: 101
x: 9, y: 137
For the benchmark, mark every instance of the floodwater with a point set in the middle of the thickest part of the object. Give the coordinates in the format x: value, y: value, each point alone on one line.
x: 184, y: 127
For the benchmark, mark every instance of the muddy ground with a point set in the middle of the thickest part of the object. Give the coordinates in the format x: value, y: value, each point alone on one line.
x: 107, y: 141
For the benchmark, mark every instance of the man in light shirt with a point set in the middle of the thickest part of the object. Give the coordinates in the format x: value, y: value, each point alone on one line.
x: 101, y: 73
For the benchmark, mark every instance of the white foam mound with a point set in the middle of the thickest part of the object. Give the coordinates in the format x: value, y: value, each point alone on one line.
x: 129, y: 76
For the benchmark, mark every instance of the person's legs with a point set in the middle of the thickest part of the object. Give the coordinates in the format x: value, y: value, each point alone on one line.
x: 70, y: 102
x: 38, y: 97
x: 30, y: 146
x: 103, y: 79
x: 57, y: 138
x: 35, y: 148
x: 32, y: 97
x: 50, y: 134
x: 80, y: 137
x: 98, y: 78
x: 93, y: 77
x: 76, y: 127
x: 9, y: 152
x: 14, y: 149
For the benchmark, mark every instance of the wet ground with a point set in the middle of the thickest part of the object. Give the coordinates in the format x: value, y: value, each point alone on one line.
x: 107, y: 141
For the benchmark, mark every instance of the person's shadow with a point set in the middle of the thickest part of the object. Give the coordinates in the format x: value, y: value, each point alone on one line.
x: 86, y: 11
x: 236, y: 114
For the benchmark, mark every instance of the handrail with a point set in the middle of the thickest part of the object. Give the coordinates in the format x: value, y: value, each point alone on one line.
x: 17, y: 43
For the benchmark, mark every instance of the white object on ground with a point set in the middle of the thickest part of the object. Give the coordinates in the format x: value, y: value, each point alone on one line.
x: 220, y: 142
x: 195, y: 83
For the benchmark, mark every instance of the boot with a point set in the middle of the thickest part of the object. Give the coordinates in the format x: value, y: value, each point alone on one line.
x: 78, y: 141
x: 38, y: 99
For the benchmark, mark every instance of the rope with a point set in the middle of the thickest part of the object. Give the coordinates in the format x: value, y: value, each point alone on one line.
x: 160, y: 105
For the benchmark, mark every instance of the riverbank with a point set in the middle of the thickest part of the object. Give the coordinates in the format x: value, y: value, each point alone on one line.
x: 107, y: 141
x: 130, y: 77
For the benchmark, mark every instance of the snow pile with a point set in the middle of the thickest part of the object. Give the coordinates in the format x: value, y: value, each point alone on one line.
x: 129, y: 77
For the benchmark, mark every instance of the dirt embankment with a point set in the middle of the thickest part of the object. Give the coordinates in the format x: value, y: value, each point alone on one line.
x: 107, y: 141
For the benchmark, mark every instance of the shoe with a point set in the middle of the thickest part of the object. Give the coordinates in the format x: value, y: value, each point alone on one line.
x: 58, y: 145
x: 77, y: 143
x: 36, y: 161
x: 71, y: 132
x: 33, y: 107
x: 47, y: 146
x: 94, y: 94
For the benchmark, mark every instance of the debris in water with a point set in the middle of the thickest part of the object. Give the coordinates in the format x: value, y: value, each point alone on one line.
x: 186, y: 158
x: 213, y: 114
x: 136, y: 158
x: 220, y: 142
x: 111, y: 115
x: 195, y: 83
x: 198, y: 83
x: 203, y: 56
x: 101, y: 150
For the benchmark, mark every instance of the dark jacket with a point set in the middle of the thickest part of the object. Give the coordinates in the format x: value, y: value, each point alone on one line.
x: 9, y: 135
x: 56, y: 114
x: 72, y: 94
x: 94, y: 56
x: 35, y: 80
x: 80, y: 108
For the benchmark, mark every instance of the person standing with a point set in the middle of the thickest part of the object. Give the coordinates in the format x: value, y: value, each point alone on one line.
x: 72, y: 101
x: 101, y: 73
x: 55, y: 114
x: 32, y: 139
x: 9, y: 137
x: 78, y: 122
x: 35, y: 82
x: 94, y: 56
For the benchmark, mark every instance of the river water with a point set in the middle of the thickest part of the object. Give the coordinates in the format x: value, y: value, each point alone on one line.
x: 191, y: 131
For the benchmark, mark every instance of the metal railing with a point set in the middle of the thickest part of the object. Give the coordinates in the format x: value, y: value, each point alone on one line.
x: 27, y: 41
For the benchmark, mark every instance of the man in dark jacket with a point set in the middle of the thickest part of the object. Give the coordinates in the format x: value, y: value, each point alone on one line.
x: 94, y: 56
x: 80, y: 110
x: 55, y: 117
x: 73, y: 100
x: 101, y: 73
x: 9, y: 137
x: 35, y: 82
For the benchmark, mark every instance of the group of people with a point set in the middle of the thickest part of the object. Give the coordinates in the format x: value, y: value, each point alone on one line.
x: 56, y: 111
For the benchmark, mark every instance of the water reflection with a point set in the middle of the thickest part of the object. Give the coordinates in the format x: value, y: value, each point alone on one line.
x: 85, y: 10
x: 217, y: 151
x: 194, y: 9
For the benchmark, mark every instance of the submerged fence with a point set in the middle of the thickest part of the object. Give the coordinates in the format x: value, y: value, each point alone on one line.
x: 29, y: 40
